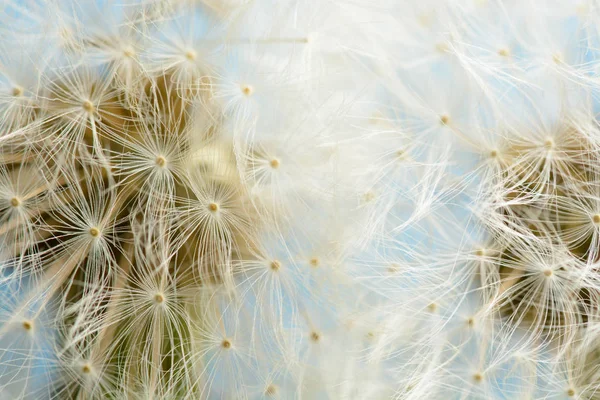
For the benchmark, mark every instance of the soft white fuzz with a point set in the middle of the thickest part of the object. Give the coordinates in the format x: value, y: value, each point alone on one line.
x: 299, y: 199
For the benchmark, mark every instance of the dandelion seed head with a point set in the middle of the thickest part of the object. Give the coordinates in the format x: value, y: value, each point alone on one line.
x: 158, y: 198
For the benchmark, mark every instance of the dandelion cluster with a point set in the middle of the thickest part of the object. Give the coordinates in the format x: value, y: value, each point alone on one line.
x: 299, y: 199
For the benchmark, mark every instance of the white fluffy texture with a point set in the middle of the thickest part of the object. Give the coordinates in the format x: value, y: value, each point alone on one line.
x: 379, y: 142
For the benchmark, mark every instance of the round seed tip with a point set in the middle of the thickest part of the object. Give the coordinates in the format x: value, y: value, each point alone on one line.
x: 571, y: 392
x: 271, y: 390
x: 86, y: 369
x: 214, y: 207
x: 28, y: 325
x: 494, y: 153
x: 190, y: 55
x: 274, y: 163
x: 226, y: 344
x: 369, y: 196
x: 557, y: 58
x: 596, y: 218
x: 548, y: 272
x: 160, y: 161
x: 17, y: 91
x: 314, y: 262
x: 128, y: 52
x: 159, y: 298
x: 477, y: 377
x: 247, y: 90
x: 15, y: 202
x: 94, y: 232
x: 503, y: 52
x: 480, y: 252
x: 471, y: 322
x: 549, y: 143
x: 275, y: 265
x: 444, y: 119
x: 88, y: 106
x: 441, y: 47
x: 315, y: 337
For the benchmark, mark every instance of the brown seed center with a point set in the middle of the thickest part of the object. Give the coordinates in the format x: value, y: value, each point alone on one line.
x: 160, y: 161
x: 190, y: 55
x: 275, y: 265
x: 247, y: 90
x: 315, y: 337
x: 88, y: 106
x: 271, y: 390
